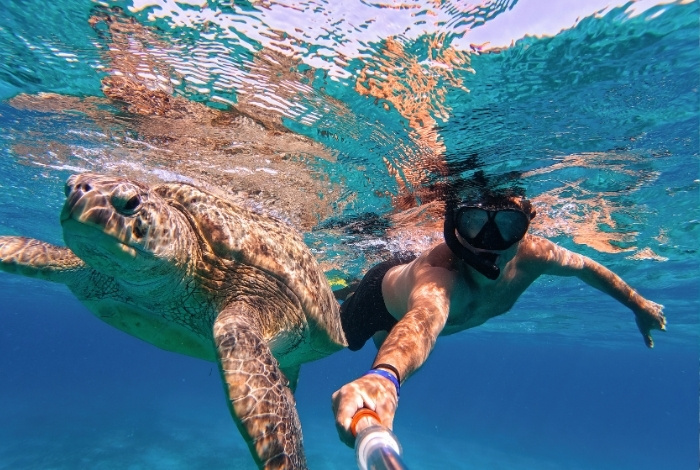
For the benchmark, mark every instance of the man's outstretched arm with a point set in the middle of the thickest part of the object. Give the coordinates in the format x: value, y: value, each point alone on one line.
x: 559, y: 261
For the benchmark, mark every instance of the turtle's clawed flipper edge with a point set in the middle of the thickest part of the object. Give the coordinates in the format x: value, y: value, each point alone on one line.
x: 35, y: 258
x: 261, y: 402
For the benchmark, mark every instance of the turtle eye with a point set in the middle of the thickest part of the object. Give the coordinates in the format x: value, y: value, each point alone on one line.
x: 126, y: 206
x: 132, y: 204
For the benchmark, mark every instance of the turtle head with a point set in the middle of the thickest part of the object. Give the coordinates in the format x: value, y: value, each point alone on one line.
x: 121, y: 228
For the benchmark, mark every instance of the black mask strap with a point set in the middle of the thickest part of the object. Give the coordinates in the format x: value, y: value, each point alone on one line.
x: 489, y: 270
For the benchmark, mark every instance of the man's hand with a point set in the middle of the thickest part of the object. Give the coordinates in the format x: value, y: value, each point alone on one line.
x: 370, y: 391
x: 650, y: 316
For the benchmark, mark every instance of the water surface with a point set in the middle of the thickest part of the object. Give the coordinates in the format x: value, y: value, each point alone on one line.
x: 352, y: 120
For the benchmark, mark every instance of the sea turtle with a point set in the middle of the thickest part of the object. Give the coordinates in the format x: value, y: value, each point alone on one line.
x: 192, y: 272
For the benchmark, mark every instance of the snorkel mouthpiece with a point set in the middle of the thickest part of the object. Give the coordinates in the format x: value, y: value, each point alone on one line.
x: 490, y: 270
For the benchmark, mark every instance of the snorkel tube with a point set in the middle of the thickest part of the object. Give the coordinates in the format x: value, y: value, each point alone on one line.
x: 489, y: 270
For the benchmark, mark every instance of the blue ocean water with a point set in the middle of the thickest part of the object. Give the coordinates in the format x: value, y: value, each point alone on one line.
x: 349, y: 119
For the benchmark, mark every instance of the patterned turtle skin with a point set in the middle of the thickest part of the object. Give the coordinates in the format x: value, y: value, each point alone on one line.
x: 194, y: 273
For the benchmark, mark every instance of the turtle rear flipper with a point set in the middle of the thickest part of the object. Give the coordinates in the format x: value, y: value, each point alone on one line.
x: 261, y: 402
x: 34, y: 258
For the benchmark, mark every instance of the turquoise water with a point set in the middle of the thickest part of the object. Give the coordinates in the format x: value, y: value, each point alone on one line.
x: 351, y: 120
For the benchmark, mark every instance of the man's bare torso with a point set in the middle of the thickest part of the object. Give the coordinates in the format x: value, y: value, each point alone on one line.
x: 473, y: 299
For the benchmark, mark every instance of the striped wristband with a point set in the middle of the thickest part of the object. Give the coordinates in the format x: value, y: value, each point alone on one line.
x: 387, y: 375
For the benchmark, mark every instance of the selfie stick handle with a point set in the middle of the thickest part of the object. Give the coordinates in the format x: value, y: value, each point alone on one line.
x: 376, y: 447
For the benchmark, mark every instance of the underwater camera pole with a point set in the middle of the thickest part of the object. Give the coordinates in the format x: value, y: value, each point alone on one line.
x: 376, y: 448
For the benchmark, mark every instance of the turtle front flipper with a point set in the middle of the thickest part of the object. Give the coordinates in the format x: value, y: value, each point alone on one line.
x: 261, y: 402
x: 34, y: 258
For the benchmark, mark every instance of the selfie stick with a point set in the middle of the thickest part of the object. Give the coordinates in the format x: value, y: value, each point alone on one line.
x: 376, y: 448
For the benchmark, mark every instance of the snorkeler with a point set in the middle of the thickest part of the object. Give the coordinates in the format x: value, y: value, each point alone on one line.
x: 486, y: 262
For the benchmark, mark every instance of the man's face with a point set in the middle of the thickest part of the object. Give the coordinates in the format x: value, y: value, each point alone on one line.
x: 491, y: 226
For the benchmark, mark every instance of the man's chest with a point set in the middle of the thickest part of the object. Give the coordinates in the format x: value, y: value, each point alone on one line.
x: 471, y: 306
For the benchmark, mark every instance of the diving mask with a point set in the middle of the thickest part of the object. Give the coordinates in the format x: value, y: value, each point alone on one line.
x: 489, y: 228
x: 492, y: 228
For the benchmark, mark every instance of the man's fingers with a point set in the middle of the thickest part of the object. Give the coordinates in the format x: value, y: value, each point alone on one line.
x: 375, y: 393
x: 366, y: 402
x: 644, y: 327
x: 343, y: 414
x: 346, y: 403
x: 662, y: 322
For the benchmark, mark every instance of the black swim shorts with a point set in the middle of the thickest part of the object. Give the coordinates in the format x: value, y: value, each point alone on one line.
x: 365, y: 313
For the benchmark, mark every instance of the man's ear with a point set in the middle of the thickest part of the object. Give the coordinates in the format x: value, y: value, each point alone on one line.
x: 528, y: 209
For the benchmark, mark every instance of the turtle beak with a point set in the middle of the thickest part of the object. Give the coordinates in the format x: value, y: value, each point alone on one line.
x: 75, y: 189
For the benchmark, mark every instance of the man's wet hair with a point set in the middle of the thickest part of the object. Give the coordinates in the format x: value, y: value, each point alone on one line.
x: 502, y: 191
x: 500, y: 200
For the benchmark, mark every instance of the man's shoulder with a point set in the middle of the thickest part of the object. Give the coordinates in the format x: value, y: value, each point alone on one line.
x: 539, y: 251
x: 438, y: 256
x: 535, y: 245
x: 432, y: 263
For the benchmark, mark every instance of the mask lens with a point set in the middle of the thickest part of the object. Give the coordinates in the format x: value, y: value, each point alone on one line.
x: 491, y: 229
x: 470, y: 221
x: 511, y: 224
